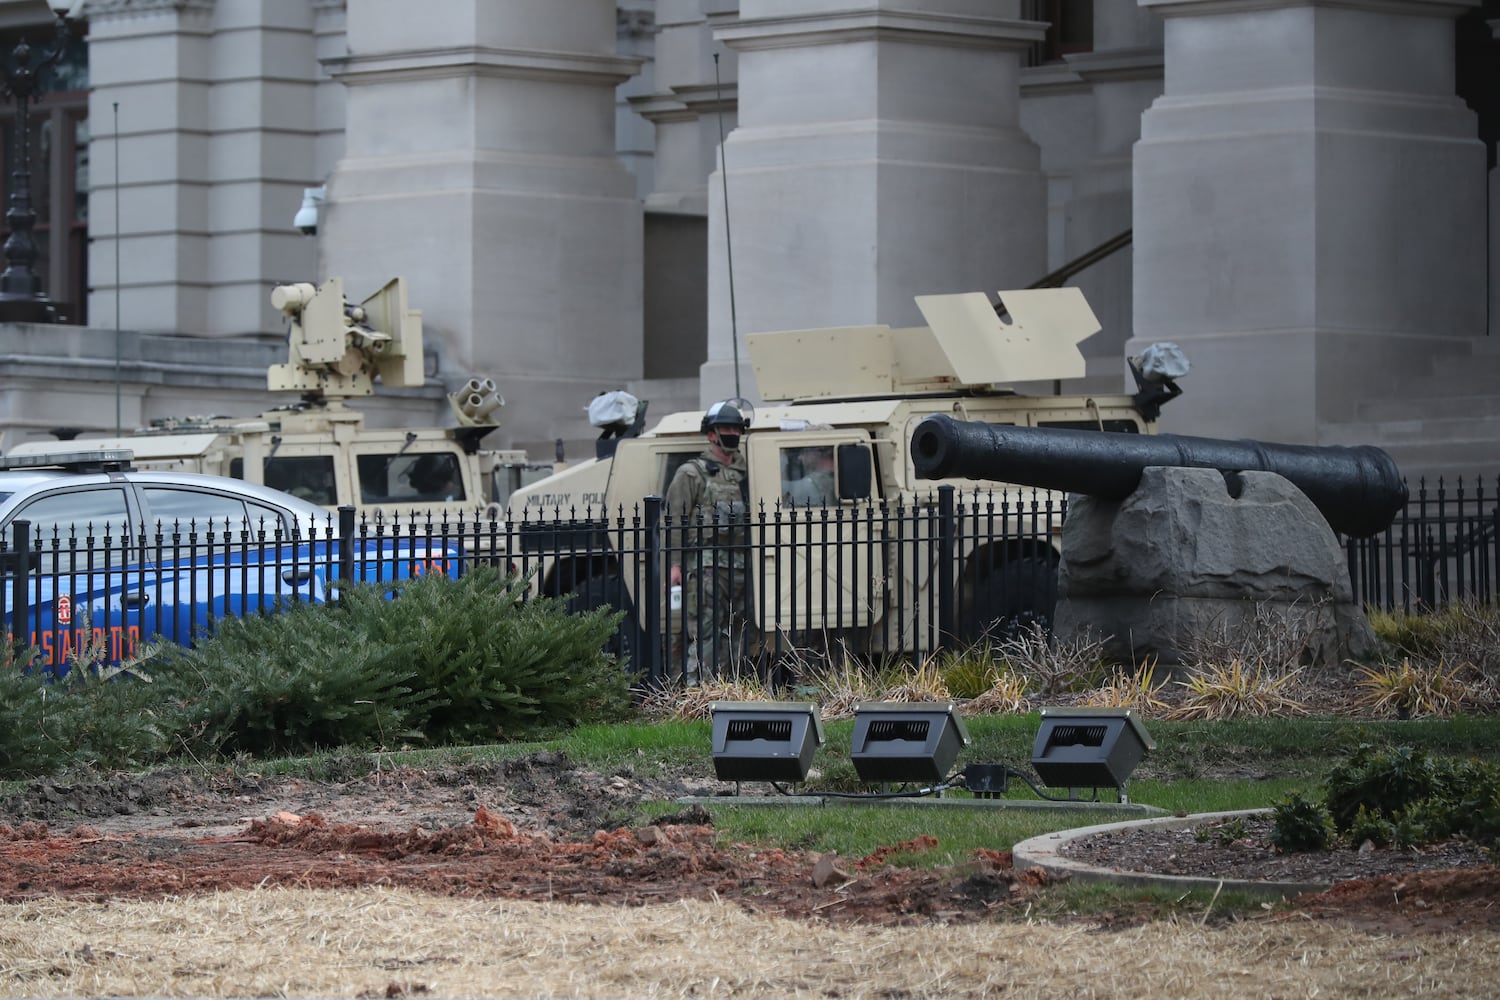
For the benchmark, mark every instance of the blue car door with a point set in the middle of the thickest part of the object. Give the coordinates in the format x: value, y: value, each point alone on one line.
x: 219, y: 554
x: 88, y: 586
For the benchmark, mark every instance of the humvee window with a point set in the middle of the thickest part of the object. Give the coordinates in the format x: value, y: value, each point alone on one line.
x: 429, y: 477
x: 671, y: 465
x: 307, y: 476
x: 1111, y: 426
x: 807, y: 477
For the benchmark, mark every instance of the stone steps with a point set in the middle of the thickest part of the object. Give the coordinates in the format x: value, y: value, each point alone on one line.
x: 1456, y: 406
x: 1429, y: 448
x: 1444, y: 422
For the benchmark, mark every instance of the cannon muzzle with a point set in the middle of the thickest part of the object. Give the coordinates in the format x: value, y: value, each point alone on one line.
x: 1358, y: 490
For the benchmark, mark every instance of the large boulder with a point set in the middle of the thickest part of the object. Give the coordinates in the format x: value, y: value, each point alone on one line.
x: 1197, y: 552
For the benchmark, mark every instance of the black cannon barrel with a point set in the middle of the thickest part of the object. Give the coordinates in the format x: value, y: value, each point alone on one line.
x: 1359, y: 490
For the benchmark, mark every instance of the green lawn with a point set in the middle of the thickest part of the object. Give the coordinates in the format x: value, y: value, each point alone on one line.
x: 1196, y: 767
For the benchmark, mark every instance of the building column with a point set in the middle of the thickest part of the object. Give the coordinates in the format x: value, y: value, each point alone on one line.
x: 692, y: 104
x: 480, y: 163
x: 1305, y: 209
x: 1124, y: 74
x: 878, y: 156
x: 222, y: 94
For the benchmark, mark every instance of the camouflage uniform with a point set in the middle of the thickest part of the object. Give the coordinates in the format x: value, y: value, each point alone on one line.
x: 707, y: 505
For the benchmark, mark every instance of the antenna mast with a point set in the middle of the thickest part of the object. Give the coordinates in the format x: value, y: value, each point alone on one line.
x: 734, y: 330
x: 118, y: 334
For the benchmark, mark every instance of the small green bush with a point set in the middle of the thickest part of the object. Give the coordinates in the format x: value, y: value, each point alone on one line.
x: 1372, y: 827
x: 90, y: 717
x: 1384, y: 782
x: 1300, y: 824
x: 495, y: 666
x: 295, y: 680
x: 1406, y: 797
x: 429, y: 659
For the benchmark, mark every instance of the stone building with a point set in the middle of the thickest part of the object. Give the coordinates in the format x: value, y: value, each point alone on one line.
x: 1305, y: 187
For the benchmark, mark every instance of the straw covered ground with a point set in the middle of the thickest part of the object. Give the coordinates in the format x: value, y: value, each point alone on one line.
x: 384, y: 942
x: 513, y: 880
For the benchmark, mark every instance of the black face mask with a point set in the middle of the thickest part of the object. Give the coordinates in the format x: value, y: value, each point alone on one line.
x: 729, y: 442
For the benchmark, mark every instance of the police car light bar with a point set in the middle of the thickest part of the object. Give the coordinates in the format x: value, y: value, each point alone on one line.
x: 104, y: 458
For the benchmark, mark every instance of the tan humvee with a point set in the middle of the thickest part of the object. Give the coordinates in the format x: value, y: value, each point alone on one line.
x: 859, y: 392
x: 319, y: 448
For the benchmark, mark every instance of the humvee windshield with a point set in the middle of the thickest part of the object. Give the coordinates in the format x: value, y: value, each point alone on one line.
x: 307, y: 476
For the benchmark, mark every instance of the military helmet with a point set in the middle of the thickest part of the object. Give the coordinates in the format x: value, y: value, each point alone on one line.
x: 726, y: 413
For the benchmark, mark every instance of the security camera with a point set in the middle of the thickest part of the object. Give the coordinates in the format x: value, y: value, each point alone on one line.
x: 307, y: 216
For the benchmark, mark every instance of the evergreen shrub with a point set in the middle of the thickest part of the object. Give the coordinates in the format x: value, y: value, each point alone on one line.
x: 287, y: 682
x: 1301, y: 824
x: 490, y: 665
x: 84, y: 718
x: 430, y: 659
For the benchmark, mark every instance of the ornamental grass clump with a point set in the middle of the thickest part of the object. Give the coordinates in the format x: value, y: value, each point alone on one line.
x: 1236, y: 690
x: 969, y: 673
x: 1007, y: 695
x: 1137, y: 690
x: 840, y: 683
x: 1410, y: 690
x: 921, y: 682
x: 1456, y: 645
x: 694, y: 702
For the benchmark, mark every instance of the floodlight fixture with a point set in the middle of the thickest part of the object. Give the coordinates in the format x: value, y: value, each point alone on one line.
x: 903, y: 742
x: 764, y: 740
x: 1089, y: 748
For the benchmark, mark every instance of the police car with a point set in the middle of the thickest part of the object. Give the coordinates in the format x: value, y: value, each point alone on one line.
x: 113, y: 556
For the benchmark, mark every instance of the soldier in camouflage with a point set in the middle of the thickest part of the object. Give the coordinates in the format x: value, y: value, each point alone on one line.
x: 707, y: 504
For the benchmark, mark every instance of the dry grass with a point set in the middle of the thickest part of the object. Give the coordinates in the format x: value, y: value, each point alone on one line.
x: 1055, y: 665
x: 1006, y: 695
x: 1411, y: 690
x: 1463, y: 637
x: 1138, y: 690
x: 383, y: 942
x: 1236, y: 690
x: 1281, y: 639
x: 693, y: 702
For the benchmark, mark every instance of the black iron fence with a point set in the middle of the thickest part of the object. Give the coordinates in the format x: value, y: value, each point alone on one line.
x: 1444, y: 548
x: 774, y: 591
x: 780, y: 590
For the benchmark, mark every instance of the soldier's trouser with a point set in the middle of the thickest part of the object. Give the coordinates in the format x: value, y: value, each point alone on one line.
x: 713, y: 601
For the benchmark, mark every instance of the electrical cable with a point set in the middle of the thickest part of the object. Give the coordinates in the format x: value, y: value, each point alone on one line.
x: 1041, y: 794
x: 955, y: 780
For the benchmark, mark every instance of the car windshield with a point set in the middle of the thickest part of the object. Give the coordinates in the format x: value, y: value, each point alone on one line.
x: 5, y: 496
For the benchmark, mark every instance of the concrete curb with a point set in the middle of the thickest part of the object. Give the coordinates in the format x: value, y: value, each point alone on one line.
x: 1045, y: 852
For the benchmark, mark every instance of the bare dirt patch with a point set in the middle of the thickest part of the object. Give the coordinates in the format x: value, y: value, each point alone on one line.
x: 539, y: 828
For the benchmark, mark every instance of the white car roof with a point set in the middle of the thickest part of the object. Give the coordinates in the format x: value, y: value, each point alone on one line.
x: 20, y: 483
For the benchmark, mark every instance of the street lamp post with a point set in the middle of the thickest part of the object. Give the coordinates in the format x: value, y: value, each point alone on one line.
x: 21, y: 297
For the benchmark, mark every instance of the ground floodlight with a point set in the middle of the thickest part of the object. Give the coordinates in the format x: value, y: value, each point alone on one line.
x: 1089, y: 748
x: 764, y: 740
x: 895, y: 741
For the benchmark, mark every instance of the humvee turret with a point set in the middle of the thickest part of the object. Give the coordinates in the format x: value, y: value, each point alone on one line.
x: 319, y: 448
x: 856, y: 394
